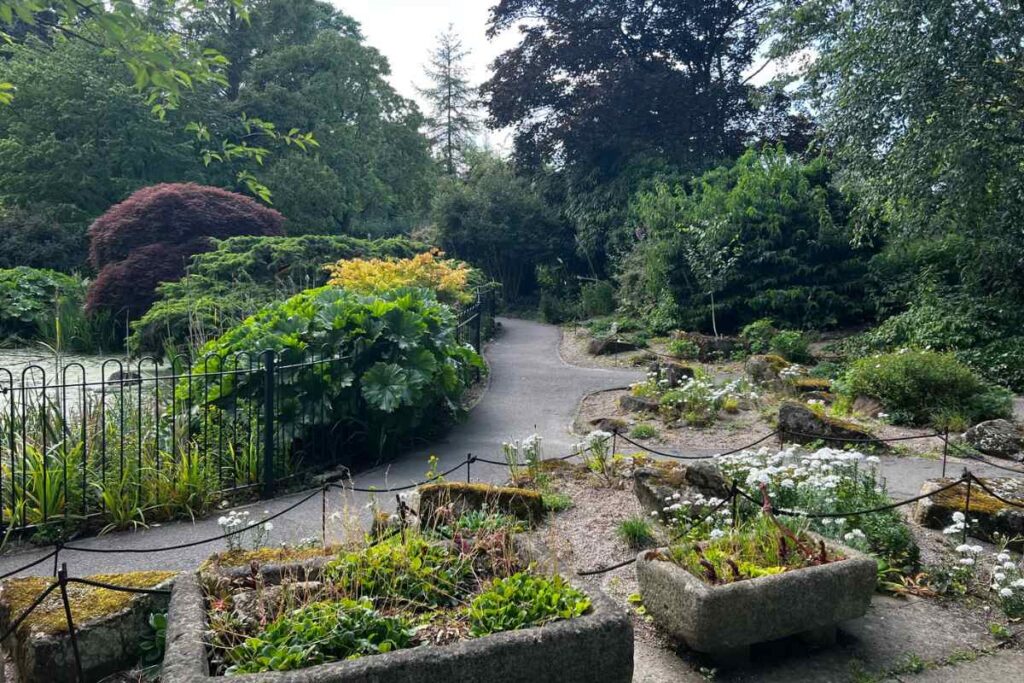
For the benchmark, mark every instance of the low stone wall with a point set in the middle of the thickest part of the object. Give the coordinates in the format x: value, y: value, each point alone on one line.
x: 727, y: 618
x: 595, y: 647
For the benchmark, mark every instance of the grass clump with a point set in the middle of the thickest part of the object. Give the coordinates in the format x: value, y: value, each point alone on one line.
x: 319, y: 633
x: 636, y: 532
x: 524, y: 600
x: 643, y: 431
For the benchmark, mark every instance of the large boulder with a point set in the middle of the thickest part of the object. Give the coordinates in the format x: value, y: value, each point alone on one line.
x: 799, y: 424
x: 658, y: 484
x: 998, y: 438
x: 454, y: 499
x: 766, y: 369
x: 638, y: 404
x: 674, y: 373
x: 606, y: 346
x: 990, y: 517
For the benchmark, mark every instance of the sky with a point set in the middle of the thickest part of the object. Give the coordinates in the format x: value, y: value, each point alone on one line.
x: 405, y: 31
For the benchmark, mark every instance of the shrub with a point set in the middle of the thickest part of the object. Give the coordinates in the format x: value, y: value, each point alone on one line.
x: 597, y: 299
x: 147, y: 239
x: 918, y: 386
x: 125, y: 290
x: 636, y: 532
x: 319, y: 633
x: 449, y: 279
x: 522, y: 601
x: 403, y: 372
x: 175, y: 214
x: 791, y: 345
x: 684, y: 349
x: 758, y: 335
x: 241, y: 275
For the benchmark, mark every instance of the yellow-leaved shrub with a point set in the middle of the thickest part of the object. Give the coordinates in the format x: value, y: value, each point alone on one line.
x: 429, y: 270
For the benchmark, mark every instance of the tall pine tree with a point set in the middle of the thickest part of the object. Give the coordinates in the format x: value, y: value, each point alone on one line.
x: 453, y: 119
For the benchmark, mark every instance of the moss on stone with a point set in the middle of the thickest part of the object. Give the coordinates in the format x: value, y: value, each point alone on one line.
x: 805, y: 384
x: 522, y: 503
x: 263, y: 556
x: 88, y: 603
x: 981, y: 503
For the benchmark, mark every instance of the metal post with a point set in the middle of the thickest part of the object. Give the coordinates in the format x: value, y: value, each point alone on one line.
x: 323, y: 518
x: 477, y: 337
x: 945, y: 450
x: 469, y: 463
x: 268, y: 423
x: 62, y: 578
x: 967, y: 505
x: 615, y: 440
x: 735, y: 504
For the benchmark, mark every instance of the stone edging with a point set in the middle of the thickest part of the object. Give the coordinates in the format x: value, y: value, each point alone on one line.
x: 597, y: 646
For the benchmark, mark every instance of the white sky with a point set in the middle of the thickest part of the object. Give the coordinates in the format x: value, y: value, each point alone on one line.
x: 405, y: 31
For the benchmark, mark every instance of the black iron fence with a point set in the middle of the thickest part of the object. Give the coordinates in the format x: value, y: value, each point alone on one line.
x: 126, y: 442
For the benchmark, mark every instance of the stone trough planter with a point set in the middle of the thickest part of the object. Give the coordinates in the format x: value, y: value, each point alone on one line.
x: 725, y: 620
x: 596, y: 646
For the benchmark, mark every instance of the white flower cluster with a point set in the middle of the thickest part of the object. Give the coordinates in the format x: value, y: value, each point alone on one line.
x: 704, y: 513
x: 1008, y: 582
x: 245, y: 533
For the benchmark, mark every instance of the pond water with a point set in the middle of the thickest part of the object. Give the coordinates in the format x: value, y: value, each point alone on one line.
x: 17, y: 361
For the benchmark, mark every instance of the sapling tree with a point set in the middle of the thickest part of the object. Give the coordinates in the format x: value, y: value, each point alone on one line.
x: 710, y: 258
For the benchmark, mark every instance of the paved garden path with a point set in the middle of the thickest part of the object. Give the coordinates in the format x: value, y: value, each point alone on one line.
x: 531, y: 390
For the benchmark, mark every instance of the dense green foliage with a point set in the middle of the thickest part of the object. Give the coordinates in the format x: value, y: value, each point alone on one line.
x: 300, y: 75
x: 40, y: 236
x: 240, y: 276
x: 524, y: 600
x: 782, y: 223
x: 319, y: 633
x: 919, y: 387
x: 31, y: 299
x: 403, y: 375
x: 499, y: 222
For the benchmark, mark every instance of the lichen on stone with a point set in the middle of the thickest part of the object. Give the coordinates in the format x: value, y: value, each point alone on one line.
x: 263, y: 556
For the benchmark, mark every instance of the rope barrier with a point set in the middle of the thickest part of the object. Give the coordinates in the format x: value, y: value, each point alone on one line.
x: 28, y: 566
x: 891, y: 439
x: 995, y: 495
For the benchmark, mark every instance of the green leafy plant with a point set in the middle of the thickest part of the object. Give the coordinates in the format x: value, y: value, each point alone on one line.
x: 791, y: 345
x: 154, y: 645
x: 636, y: 532
x: 524, y: 600
x: 414, y: 572
x: 758, y: 335
x: 318, y: 633
x: 597, y: 298
x: 684, y: 349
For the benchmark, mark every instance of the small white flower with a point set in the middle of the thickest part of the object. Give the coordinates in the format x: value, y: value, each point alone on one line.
x: 267, y: 526
x: 999, y: 577
x: 1019, y: 583
x: 654, y: 513
x: 958, y: 516
x: 1009, y: 566
x: 1005, y: 593
x: 967, y: 561
x: 717, y: 533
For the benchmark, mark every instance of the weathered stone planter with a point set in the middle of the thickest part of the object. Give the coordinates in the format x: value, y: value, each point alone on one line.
x: 110, y: 627
x: 724, y: 621
x: 595, y: 647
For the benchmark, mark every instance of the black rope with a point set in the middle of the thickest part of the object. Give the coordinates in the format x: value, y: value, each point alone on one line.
x: 395, y: 489
x: 970, y: 455
x: 874, y: 439
x: 855, y: 513
x: 995, y: 495
x: 24, y: 615
x: 122, y: 589
x: 42, y: 559
x: 192, y: 544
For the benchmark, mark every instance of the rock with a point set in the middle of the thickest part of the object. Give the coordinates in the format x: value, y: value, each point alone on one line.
x: 994, y: 517
x: 453, y: 499
x: 711, y: 348
x: 807, y: 385
x: 125, y: 377
x: 611, y: 425
x: 652, y: 485
x: 824, y: 396
x: 638, y: 404
x: 998, y: 438
x: 675, y: 373
x: 765, y: 369
x: 868, y: 407
x: 799, y: 424
x: 108, y: 626
x: 605, y: 346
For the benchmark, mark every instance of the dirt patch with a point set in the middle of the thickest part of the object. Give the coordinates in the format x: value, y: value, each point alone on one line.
x: 573, y: 350
x: 729, y: 432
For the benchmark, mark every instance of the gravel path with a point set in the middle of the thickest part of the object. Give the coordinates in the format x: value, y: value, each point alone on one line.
x: 531, y: 390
